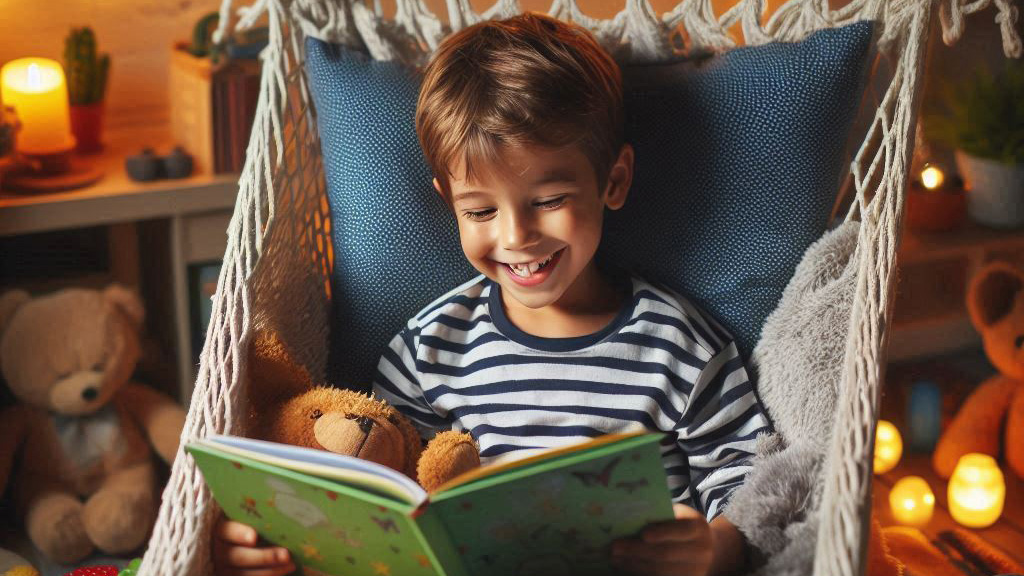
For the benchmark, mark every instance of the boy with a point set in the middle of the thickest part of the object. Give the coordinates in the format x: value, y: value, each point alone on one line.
x: 522, y: 122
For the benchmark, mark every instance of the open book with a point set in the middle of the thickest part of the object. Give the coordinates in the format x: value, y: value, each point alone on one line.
x: 551, y: 514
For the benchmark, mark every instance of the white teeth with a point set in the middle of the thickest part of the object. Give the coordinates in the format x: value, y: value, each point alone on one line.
x: 529, y: 269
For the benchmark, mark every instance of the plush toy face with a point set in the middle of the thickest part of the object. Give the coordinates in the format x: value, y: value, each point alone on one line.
x: 69, y: 352
x: 345, y: 422
x: 996, y: 304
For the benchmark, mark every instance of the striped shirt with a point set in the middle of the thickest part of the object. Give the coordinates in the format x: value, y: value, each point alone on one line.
x: 660, y: 365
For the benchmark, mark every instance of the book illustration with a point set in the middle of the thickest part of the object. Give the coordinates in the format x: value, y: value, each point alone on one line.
x: 601, y: 477
x: 304, y: 513
x: 631, y: 485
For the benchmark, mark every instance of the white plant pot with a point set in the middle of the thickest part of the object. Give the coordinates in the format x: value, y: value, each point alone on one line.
x: 995, y: 191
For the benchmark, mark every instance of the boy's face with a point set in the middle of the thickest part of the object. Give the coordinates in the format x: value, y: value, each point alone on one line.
x: 533, y: 223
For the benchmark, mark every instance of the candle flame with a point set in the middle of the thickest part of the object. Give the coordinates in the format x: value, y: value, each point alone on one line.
x: 932, y: 177
x: 35, y: 79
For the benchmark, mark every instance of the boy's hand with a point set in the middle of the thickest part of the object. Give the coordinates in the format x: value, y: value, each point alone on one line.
x: 680, y: 547
x: 237, y: 552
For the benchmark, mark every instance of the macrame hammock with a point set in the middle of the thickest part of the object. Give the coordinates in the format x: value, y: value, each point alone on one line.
x: 277, y: 260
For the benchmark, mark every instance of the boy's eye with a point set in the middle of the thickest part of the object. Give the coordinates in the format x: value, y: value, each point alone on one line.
x: 478, y: 214
x: 552, y: 203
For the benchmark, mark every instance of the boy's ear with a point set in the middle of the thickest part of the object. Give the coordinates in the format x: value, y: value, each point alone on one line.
x: 620, y: 177
x: 437, y: 186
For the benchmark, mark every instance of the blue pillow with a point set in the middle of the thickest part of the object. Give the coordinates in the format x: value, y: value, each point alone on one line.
x: 738, y: 163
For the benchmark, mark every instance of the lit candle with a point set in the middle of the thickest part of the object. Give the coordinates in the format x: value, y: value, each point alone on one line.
x: 36, y: 88
x: 912, y: 501
x: 888, y: 447
x: 932, y: 177
x: 976, y: 491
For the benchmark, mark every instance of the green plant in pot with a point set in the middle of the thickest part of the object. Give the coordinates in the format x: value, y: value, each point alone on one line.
x: 87, y: 81
x: 983, y: 121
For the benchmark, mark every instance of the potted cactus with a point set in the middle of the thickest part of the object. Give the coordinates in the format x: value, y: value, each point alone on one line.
x: 87, y: 81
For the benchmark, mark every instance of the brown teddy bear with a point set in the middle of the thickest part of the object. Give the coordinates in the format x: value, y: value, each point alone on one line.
x: 286, y: 407
x: 77, y: 446
x: 995, y: 301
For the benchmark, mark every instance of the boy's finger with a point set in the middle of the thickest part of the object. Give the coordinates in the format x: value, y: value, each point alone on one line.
x: 276, y: 571
x: 637, y: 551
x: 237, y: 533
x: 684, y: 512
x: 675, y: 531
x: 243, y: 557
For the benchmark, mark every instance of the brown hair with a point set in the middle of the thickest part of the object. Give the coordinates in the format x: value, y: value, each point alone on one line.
x: 530, y: 79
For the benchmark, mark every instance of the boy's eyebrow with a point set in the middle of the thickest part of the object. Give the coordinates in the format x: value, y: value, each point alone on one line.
x: 552, y: 176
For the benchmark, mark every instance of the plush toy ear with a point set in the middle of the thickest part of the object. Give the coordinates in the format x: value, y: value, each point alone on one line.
x: 992, y: 293
x: 126, y: 301
x: 9, y: 304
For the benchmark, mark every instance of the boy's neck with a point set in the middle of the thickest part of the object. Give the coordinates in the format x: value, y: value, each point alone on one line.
x: 590, y: 303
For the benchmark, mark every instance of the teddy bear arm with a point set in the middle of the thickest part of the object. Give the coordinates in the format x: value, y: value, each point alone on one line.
x: 1014, y: 444
x: 447, y: 455
x: 157, y: 414
x: 13, y: 433
x: 976, y: 427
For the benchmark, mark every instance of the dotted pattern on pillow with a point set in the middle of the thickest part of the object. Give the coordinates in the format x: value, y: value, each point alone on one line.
x: 396, y: 244
x: 738, y: 161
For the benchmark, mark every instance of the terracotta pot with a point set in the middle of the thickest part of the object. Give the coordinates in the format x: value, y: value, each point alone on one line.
x: 87, y: 126
x: 995, y: 191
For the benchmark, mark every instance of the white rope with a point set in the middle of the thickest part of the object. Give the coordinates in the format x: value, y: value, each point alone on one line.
x: 277, y: 259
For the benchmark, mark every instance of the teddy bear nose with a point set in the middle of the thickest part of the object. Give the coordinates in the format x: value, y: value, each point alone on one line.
x: 89, y: 393
x: 365, y: 424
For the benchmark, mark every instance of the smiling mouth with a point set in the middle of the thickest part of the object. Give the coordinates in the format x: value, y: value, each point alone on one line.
x: 529, y: 269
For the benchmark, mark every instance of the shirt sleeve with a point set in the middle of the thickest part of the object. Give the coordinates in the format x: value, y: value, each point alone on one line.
x: 718, y: 430
x: 396, y: 381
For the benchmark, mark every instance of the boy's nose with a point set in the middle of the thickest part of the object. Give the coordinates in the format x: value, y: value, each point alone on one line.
x: 517, y: 232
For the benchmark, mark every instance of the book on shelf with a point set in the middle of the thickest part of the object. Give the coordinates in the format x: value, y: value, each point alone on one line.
x: 556, y: 512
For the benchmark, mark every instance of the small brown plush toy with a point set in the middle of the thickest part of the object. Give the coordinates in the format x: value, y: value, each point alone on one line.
x: 286, y: 407
x: 995, y: 302
x: 78, y: 445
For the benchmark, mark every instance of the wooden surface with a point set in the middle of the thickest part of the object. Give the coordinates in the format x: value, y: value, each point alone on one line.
x: 1007, y: 533
x: 116, y: 198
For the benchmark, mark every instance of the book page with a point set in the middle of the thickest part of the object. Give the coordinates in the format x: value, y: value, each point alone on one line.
x: 321, y: 463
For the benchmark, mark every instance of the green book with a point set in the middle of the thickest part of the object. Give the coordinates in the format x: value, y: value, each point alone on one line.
x: 550, y: 514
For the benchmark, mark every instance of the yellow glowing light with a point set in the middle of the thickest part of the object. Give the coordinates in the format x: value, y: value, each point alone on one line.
x: 912, y: 501
x: 977, y: 491
x: 36, y: 88
x: 888, y: 447
x: 932, y: 177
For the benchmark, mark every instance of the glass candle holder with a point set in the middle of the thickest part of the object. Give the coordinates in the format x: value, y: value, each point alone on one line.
x: 912, y: 501
x: 977, y: 491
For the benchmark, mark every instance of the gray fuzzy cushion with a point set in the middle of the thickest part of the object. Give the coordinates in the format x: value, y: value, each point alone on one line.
x: 798, y: 362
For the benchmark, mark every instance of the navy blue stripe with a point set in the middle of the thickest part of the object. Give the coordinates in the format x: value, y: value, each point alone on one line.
x: 696, y: 325
x: 694, y: 448
x: 553, y: 384
x: 649, y: 341
x: 624, y: 415
x: 436, y: 343
x: 499, y: 449
x: 710, y: 393
x: 459, y: 323
x: 391, y: 357
x: 743, y: 460
x: 637, y: 366
x: 468, y: 302
x: 412, y: 410
x: 535, y: 430
x: 663, y: 320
